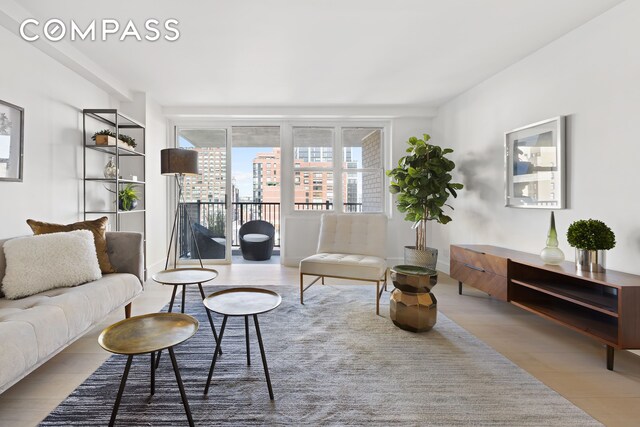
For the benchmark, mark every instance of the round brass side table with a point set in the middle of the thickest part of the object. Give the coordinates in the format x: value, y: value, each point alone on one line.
x: 242, y: 302
x: 149, y: 333
x: 413, y: 307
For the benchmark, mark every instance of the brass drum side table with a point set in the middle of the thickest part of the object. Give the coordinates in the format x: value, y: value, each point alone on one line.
x: 242, y: 302
x: 149, y: 333
x: 183, y: 277
x: 413, y: 307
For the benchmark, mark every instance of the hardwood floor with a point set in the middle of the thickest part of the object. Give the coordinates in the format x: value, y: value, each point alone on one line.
x: 569, y: 363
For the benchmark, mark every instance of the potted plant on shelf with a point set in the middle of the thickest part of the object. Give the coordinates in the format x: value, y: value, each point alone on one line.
x: 127, y: 198
x: 422, y: 181
x: 108, y: 137
x: 591, y: 238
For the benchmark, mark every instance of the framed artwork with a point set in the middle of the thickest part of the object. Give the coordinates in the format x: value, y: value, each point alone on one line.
x: 534, y: 165
x: 11, y: 141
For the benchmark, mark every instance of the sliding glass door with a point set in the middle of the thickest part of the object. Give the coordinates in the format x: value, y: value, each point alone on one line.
x: 204, y: 210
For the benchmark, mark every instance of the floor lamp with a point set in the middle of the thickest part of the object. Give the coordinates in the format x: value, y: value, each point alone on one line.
x: 179, y: 162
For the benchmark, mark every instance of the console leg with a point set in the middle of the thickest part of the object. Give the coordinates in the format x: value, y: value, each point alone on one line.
x: 459, y: 288
x: 610, y: 354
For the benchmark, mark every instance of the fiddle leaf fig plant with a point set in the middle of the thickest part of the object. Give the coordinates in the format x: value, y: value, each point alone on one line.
x: 422, y: 181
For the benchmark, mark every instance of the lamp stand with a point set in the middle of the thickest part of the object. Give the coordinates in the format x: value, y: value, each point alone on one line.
x: 174, y: 229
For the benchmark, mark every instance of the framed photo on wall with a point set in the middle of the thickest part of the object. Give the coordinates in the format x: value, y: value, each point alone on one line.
x: 534, y: 165
x: 11, y: 141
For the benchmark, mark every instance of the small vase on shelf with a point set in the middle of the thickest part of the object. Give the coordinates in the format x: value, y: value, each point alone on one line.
x: 110, y: 169
x: 551, y: 254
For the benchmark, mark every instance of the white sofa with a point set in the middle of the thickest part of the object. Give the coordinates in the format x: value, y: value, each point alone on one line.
x: 35, y: 328
x: 350, y: 246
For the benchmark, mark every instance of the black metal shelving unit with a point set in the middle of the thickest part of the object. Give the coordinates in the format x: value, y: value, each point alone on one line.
x: 116, y: 121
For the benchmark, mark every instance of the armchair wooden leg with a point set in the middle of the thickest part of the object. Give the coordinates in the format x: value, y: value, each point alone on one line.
x: 323, y: 280
x: 301, y: 289
x: 127, y: 311
x: 378, y: 298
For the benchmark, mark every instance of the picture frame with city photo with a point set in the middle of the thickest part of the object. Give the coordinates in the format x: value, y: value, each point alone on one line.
x: 11, y: 142
x: 534, y: 165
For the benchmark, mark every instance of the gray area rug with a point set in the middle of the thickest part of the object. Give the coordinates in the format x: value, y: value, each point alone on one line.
x: 332, y: 362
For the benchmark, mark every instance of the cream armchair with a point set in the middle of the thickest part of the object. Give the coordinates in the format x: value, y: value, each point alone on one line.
x: 351, y: 246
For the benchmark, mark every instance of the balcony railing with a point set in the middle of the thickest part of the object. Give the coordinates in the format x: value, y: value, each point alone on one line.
x: 212, y: 215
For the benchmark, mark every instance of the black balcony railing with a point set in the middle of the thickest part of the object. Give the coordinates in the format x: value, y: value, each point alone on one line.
x: 212, y: 215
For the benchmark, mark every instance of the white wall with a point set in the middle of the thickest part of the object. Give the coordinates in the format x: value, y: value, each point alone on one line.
x: 53, y: 98
x: 301, y: 229
x: 147, y: 111
x: 157, y: 187
x: 591, y: 75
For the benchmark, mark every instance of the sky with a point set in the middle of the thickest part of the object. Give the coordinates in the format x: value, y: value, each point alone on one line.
x: 241, y: 165
x: 242, y: 168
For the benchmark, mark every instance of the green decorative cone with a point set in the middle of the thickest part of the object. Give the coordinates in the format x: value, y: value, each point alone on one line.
x: 551, y: 254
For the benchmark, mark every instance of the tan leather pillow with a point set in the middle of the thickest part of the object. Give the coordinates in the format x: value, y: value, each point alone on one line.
x: 98, y: 227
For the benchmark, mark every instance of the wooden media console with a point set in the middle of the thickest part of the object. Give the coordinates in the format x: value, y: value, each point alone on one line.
x: 604, y: 306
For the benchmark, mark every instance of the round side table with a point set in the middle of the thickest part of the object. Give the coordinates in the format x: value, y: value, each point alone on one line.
x: 184, y: 277
x: 242, y: 302
x: 149, y: 333
x: 413, y: 307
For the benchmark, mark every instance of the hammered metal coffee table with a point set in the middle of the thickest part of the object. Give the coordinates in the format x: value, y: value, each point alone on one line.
x: 183, y: 277
x: 149, y: 333
x: 242, y: 302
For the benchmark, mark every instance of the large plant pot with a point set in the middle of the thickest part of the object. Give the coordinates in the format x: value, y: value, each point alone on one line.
x: 427, y: 258
x: 590, y: 260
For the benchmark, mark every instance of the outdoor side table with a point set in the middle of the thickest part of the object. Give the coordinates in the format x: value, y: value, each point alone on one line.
x: 149, y: 333
x: 184, y: 277
x: 242, y: 302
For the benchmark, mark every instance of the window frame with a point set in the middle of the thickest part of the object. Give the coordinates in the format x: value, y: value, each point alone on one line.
x: 339, y: 168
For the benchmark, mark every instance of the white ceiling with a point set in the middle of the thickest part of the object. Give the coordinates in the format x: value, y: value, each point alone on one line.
x: 321, y: 52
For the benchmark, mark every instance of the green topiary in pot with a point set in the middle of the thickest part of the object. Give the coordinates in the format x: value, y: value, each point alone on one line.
x: 591, y: 238
x: 591, y: 234
x: 422, y: 181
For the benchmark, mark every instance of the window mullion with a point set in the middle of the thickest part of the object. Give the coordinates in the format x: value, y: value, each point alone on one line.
x: 338, y: 163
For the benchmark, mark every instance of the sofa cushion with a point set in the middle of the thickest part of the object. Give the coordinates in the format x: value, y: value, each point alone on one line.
x: 351, y: 266
x: 98, y: 227
x: 39, y: 263
x: 33, y: 328
x: 18, y: 349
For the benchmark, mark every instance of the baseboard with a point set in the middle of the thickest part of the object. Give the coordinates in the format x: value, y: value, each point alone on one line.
x: 443, y: 266
x: 290, y: 261
x: 155, y: 267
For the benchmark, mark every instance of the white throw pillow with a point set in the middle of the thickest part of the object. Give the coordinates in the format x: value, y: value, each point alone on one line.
x: 255, y: 238
x: 39, y: 263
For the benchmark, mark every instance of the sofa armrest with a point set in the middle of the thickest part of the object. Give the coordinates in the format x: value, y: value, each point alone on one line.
x: 126, y: 252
